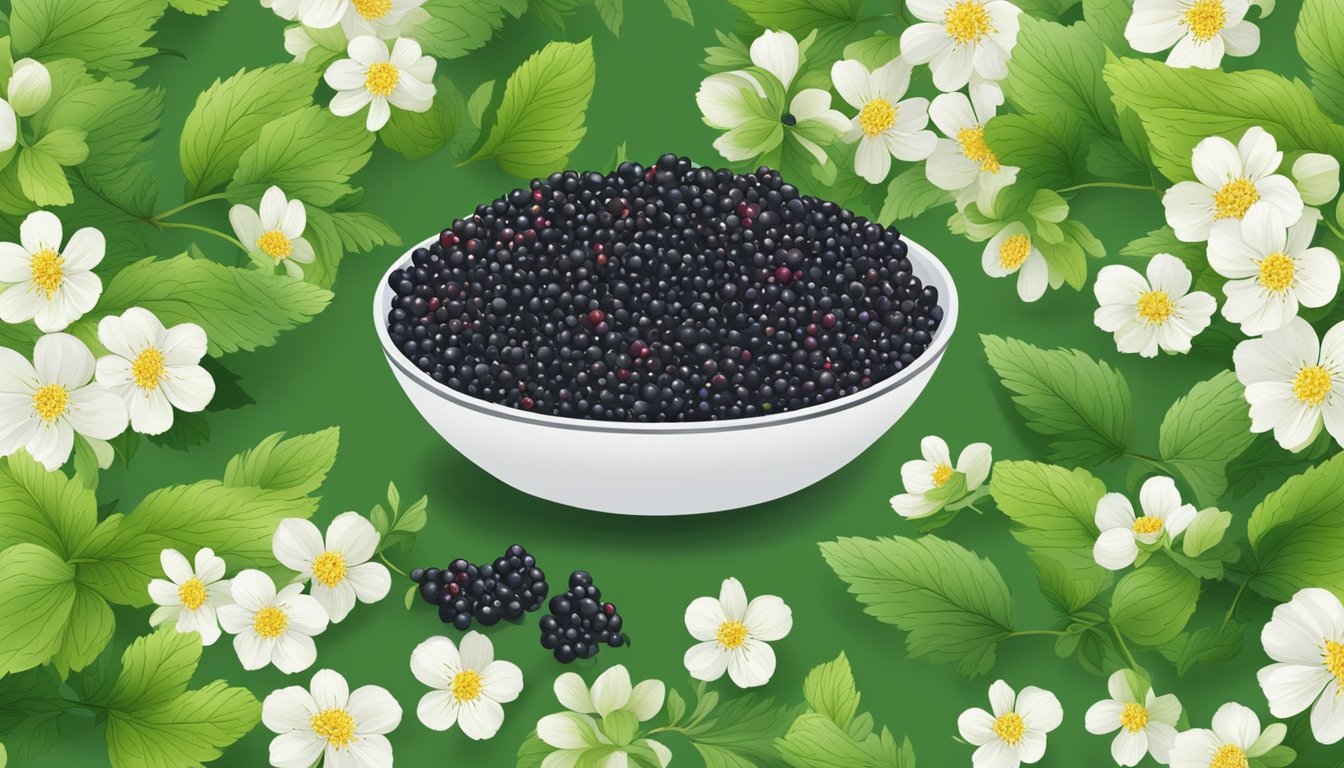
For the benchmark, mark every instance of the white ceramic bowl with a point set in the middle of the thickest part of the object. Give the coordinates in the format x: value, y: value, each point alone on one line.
x: 669, y: 469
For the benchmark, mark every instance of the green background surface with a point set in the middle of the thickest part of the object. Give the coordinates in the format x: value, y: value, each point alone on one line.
x: 331, y: 372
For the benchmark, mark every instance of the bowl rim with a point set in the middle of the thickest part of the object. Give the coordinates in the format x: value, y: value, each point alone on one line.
x: 930, y: 358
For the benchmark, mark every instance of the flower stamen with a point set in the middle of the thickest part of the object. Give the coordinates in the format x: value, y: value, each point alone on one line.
x: 51, y: 402
x: 192, y: 593
x: 1155, y: 307
x: 1205, y: 19
x: 973, y: 146
x: 47, y: 270
x: 382, y: 78
x: 1010, y: 728
x: 1312, y: 385
x: 1235, y: 199
x: 967, y: 22
x: 1014, y: 251
x: 466, y: 686
x: 732, y: 634
x: 270, y: 622
x: 877, y: 117
x: 329, y: 568
x: 336, y: 726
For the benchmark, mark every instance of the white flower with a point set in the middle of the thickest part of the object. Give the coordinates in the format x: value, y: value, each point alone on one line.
x: 1012, y: 251
x: 962, y: 38
x: 1317, y: 177
x: 273, y: 233
x: 1271, y: 269
x: 733, y: 635
x: 376, y: 76
x: 153, y: 369
x: 1306, y: 639
x: 1145, y: 721
x: 190, y: 597
x: 9, y: 126
x: 1157, y: 312
x: 963, y: 163
x: 1236, y: 736
x: 1121, y: 532
x: 339, y: 567
x: 1013, y: 731
x: 328, y: 721
x: 1294, y: 382
x: 318, y: 14
x: 29, y: 87
x: 1232, y: 179
x: 384, y: 19
x: 886, y: 126
x: 43, y: 404
x: 469, y: 685
x: 1201, y: 30
x: 573, y: 732
x: 933, y: 471
x: 42, y: 282
x: 271, y: 627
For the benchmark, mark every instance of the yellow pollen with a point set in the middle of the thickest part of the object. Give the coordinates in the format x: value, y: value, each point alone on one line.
x: 148, y: 370
x: 1155, y: 307
x: 382, y: 78
x: 1334, y: 661
x: 336, y: 726
x: 192, y: 593
x: 329, y: 568
x: 51, y: 402
x: 1312, y: 384
x: 1235, y: 199
x: 941, y: 474
x: 877, y: 117
x: 1276, y: 271
x: 1148, y: 524
x: 973, y: 146
x: 1014, y: 251
x: 1229, y: 756
x: 1134, y: 718
x: 372, y: 10
x: 46, y: 269
x: 1205, y: 19
x: 275, y: 244
x: 732, y: 634
x: 467, y: 686
x: 1010, y: 728
x: 270, y: 622
x: 967, y: 22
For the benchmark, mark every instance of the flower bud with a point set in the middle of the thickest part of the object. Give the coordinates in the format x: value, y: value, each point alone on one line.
x: 1316, y: 177
x: 30, y: 87
x: 1205, y: 531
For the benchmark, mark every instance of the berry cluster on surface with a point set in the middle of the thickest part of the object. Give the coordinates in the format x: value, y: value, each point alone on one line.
x: 503, y: 590
x: 579, y: 623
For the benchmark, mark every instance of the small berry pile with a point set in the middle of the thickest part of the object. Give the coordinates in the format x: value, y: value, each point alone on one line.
x: 579, y: 625
x: 502, y: 590
x: 666, y: 293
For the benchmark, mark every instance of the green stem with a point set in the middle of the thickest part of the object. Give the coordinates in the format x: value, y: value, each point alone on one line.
x: 389, y: 564
x: 199, y: 228
x: 1124, y: 648
x: 1107, y: 185
x: 1035, y: 632
x: 1332, y: 227
x: 189, y: 204
x: 1232, y: 609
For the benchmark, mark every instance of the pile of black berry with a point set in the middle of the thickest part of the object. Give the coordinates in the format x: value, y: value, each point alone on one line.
x: 668, y: 293
x: 579, y: 624
x: 505, y: 589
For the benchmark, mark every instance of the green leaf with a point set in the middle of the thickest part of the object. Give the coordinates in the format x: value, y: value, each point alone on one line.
x: 911, y: 194
x: 681, y: 10
x: 1297, y: 533
x: 1207, y: 645
x: 1083, y: 404
x: 1108, y: 18
x: 620, y: 726
x: 1181, y: 107
x: 289, y: 468
x: 42, y: 179
x: 108, y: 37
x: 540, y: 120
x: 1205, y: 531
x: 87, y: 631
x: 228, y: 118
x: 1056, y: 509
x: 830, y: 691
x: 458, y: 27
x: 41, y: 507
x: 198, y: 7
x: 1205, y: 430
x: 1049, y: 149
x: 362, y: 232
x: 554, y: 12
x: 799, y: 17
x: 874, y: 52
x: 1151, y: 605
x: 1056, y: 70
x: 612, y: 13
x: 37, y: 592
x: 1069, y: 590
x: 1320, y: 40
x: 240, y: 309
x: 721, y: 757
x: 955, y: 605
x: 309, y: 153
x: 813, y: 741
x: 747, y: 726
x: 31, y: 707
x: 1265, y: 459
x: 420, y: 134
x: 479, y: 100
x: 64, y: 145
x: 676, y: 706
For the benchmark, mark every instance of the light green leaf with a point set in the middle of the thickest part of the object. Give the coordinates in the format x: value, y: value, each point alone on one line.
x: 420, y: 134
x: 42, y: 179
x: 830, y: 691
x: 1205, y: 531
x: 746, y: 725
x: 1049, y: 148
x: 325, y: 238
x: 1297, y: 533
x: 155, y: 669
x: 813, y: 741
x: 37, y: 592
x: 479, y: 100
x: 1066, y: 257
x: 309, y: 153
x: 293, y: 468
x: 1152, y: 604
x: 681, y: 10
x: 612, y: 13
x: 554, y: 12
x: 1205, y: 430
x: 540, y: 120
x: 87, y: 632
x: 1082, y: 404
x: 64, y: 145
x: 458, y: 27
x: 800, y: 16
x: 1108, y: 18
x: 1056, y: 70
x: 1056, y: 509
x: 1069, y: 589
x: 198, y: 7
x: 362, y: 232
x: 31, y: 707
x: 955, y: 605
x: 721, y: 757
x: 1320, y: 40
x: 42, y: 507
x: 911, y: 194
x: 876, y: 51
x: 108, y: 37
x: 620, y: 726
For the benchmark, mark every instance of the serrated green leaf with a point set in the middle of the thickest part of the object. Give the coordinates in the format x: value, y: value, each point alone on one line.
x: 1056, y: 70
x: 954, y: 604
x: 362, y: 232
x: 31, y: 707
x: 1056, y: 511
x: 746, y: 725
x: 612, y: 13
x: 458, y: 27
x: 1207, y: 645
x: 909, y: 195
x: 1069, y: 590
x: 108, y: 37
x: 289, y: 468
x: 64, y: 145
x: 1297, y: 532
x: 1266, y: 459
x: 830, y: 691
x: 198, y: 7
x: 42, y: 179
x: 1320, y: 40
x: 1108, y: 18
x: 721, y: 757
x: 1151, y: 605
x: 681, y: 10
x: 813, y: 741
x: 87, y: 632
x: 420, y: 134
x: 309, y: 153
x: 1048, y: 148
x: 41, y: 507
x: 37, y: 592
x: 799, y: 16
x: 875, y: 51
x: 1205, y: 430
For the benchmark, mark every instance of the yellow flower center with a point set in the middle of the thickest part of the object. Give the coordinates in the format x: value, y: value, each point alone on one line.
x: 148, y: 370
x: 1334, y: 661
x: 1134, y: 718
x: 732, y: 634
x: 1148, y: 524
x: 45, y: 266
x: 1155, y: 307
x: 1014, y: 251
x: 51, y: 402
x: 329, y: 568
x: 372, y: 10
x: 467, y: 686
x: 967, y: 22
x: 192, y: 593
x: 1010, y: 728
x: 1229, y: 756
x: 941, y: 474
x: 877, y: 117
x: 1312, y: 384
x: 1205, y: 19
x: 382, y: 78
x: 275, y: 244
x: 1235, y: 199
x: 270, y: 622
x: 1276, y: 271
x: 973, y: 146
x: 336, y: 726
